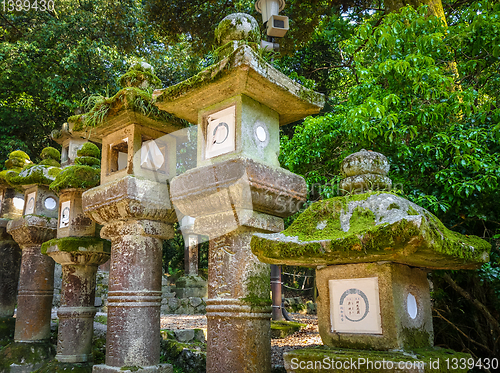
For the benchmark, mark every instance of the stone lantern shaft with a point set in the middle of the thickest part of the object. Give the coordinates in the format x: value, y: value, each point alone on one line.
x: 238, y: 188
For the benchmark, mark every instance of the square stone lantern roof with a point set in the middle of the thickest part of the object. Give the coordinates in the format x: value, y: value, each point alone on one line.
x: 242, y: 72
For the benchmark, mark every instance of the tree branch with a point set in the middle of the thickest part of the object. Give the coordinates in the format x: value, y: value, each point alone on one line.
x: 481, y: 307
x: 462, y: 333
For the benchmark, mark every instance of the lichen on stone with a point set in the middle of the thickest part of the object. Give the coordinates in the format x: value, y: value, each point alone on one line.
x: 258, y: 287
x: 367, y: 228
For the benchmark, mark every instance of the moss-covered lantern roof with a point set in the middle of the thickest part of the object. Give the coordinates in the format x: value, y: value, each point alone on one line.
x: 43, y: 173
x: 84, y: 174
x: 370, y: 227
x: 17, y: 160
x: 132, y: 104
x: 242, y: 71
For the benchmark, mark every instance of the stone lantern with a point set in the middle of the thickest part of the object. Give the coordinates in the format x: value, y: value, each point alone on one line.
x: 133, y: 205
x: 11, y: 207
x: 80, y: 253
x: 238, y: 187
x: 37, y: 225
x: 70, y: 142
x: 372, y: 250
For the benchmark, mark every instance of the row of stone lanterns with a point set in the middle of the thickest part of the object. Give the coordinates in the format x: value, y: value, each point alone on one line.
x: 236, y: 189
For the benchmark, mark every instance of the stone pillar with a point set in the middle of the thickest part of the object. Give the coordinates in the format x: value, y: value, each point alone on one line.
x: 134, y: 298
x: 238, y: 308
x: 36, y: 280
x: 191, y: 255
x: 9, y: 277
x: 77, y: 311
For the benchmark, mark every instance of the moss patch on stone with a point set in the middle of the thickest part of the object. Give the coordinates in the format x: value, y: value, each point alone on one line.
x: 77, y: 244
x: 26, y: 353
x: 416, y: 338
x: 282, y: 328
x: 420, y: 356
x: 34, y: 174
x: 129, y: 98
x: 258, y: 288
x: 89, y: 150
x: 50, y: 153
x: 77, y: 176
x: 57, y: 367
x: 365, y: 228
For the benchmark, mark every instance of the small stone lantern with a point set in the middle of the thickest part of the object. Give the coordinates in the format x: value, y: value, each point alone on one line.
x: 37, y: 225
x: 80, y: 253
x: 70, y: 143
x: 238, y: 187
x: 11, y: 207
x: 372, y: 252
x: 133, y: 205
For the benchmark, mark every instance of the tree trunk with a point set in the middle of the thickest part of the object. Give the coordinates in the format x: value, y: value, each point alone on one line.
x: 435, y: 6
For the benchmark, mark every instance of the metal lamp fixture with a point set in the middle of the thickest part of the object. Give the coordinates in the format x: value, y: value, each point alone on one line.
x: 276, y: 25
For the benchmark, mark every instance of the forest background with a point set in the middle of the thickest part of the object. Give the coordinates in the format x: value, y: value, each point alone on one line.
x: 419, y: 84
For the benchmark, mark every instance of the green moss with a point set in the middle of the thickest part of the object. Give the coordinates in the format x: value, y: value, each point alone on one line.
x: 88, y: 161
x: 135, y: 77
x: 51, y: 153
x: 412, y: 211
x: 425, y: 356
x: 17, y: 159
x: 393, y: 206
x: 76, y: 244
x: 33, y: 174
x: 416, y: 338
x: 258, y: 287
x: 130, y: 98
x: 57, y: 367
x: 89, y: 150
x: 77, y: 176
x: 316, y: 238
x: 26, y: 353
x: 50, y: 162
x: 282, y: 328
x: 132, y: 368
x: 101, y: 319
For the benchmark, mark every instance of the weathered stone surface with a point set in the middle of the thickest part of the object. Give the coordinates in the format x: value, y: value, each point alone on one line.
x: 190, y: 286
x: 12, y: 203
x: 9, y: 271
x: 78, y: 223
x: 242, y: 72
x: 365, y: 162
x: 312, y: 360
x: 237, y: 26
x: 395, y: 282
x: 370, y: 227
x: 184, y: 335
x: 79, y: 258
x: 128, y: 198
x: 36, y: 280
x: 237, y: 184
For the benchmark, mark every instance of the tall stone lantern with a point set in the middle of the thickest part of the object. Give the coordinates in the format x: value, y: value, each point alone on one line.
x: 80, y: 253
x: 238, y: 187
x: 11, y: 207
x: 70, y: 142
x: 372, y: 250
x: 133, y: 205
x: 37, y: 225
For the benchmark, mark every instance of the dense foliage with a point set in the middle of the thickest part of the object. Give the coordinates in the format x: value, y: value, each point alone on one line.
x: 422, y: 92
x: 426, y: 96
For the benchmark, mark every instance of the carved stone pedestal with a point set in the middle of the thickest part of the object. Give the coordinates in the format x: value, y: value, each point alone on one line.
x: 36, y: 280
x: 134, y: 213
x: 9, y: 277
x: 77, y: 311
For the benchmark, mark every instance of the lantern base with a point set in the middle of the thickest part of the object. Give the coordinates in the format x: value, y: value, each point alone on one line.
x: 160, y: 368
